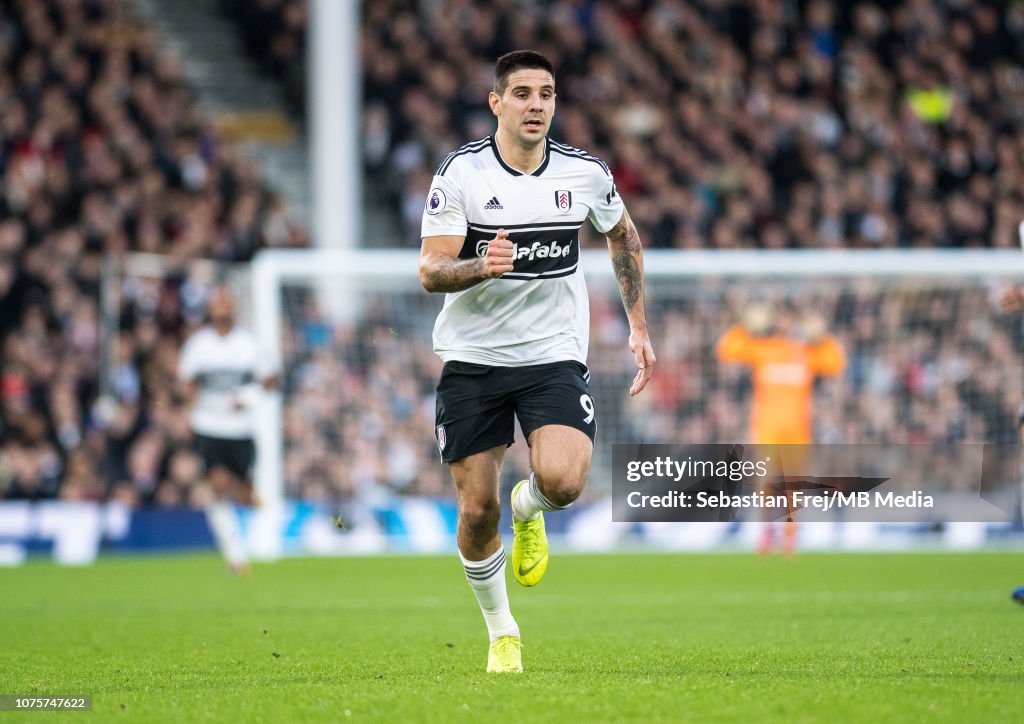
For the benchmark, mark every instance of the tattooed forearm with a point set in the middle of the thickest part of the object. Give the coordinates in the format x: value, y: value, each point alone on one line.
x: 451, y: 275
x: 627, y: 271
x: 624, y: 244
x: 624, y: 235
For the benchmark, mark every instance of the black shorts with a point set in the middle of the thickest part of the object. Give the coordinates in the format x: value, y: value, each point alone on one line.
x: 477, y: 404
x: 235, y: 454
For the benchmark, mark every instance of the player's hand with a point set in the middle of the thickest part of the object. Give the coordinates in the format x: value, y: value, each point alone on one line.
x: 498, y: 258
x: 1011, y: 299
x: 640, y: 346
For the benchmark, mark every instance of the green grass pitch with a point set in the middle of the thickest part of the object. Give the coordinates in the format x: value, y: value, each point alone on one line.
x: 818, y: 637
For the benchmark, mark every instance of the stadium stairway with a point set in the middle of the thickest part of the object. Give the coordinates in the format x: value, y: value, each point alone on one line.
x: 246, y: 107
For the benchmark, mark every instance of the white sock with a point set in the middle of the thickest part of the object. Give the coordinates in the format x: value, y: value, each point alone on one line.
x: 529, y: 501
x: 224, y: 525
x: 487, y: 579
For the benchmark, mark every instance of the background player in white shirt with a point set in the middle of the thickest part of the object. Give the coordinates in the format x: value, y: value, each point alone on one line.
x: 223, y: 372
x: 500, y: 237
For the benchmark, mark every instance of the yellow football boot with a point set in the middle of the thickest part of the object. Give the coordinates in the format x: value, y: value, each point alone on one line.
x: 529, y: 546
x: 505, y: 656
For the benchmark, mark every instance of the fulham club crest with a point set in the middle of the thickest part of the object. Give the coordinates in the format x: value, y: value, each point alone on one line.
x: 441, y: 438
x: 563, y: 200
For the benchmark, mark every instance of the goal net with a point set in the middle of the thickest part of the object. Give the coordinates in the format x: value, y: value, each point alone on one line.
x: 929, y: 358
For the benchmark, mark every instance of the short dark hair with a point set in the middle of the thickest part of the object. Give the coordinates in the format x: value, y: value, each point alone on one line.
x: 518, y: 60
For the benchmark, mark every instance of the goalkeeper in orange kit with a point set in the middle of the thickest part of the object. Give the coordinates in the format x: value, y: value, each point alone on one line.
x: 785, y: 359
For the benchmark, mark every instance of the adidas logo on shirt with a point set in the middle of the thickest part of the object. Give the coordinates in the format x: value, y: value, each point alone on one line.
x: 493, y: 204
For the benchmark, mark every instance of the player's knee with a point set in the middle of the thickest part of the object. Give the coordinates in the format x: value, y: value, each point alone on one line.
x: 481, y: 516
x: 563, y: 489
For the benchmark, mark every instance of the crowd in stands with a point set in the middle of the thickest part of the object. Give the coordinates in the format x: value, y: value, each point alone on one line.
x: 103, y: 152
x: 727, y: 123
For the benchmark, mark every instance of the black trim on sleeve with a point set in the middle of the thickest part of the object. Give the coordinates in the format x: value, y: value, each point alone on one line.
x: 474, y: 147
x: 583, y: 157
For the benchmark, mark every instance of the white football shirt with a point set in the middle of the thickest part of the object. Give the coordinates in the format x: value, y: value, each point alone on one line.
x: 228, y: 370
x: 539, y: 312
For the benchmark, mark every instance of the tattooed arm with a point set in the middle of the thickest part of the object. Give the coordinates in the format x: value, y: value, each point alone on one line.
x: 628, y: 261
x: 441, y: 269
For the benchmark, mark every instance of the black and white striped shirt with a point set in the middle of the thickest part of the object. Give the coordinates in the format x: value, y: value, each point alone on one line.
x: 538, y: 312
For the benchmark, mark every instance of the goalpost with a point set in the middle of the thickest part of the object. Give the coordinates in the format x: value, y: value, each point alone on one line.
x: 320, y: 270
x: 930, y: 357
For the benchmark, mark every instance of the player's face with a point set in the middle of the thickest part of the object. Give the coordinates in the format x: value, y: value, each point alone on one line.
x: 526, y: 107
x: 222, y: 308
